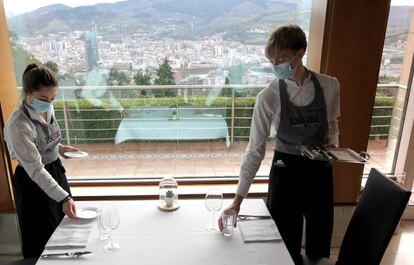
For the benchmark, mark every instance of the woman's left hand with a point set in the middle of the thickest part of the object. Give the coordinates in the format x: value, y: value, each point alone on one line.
x: 66, y: 148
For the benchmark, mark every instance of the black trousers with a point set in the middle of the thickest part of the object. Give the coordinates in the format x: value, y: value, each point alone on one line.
x: 38, y: 214
x: 300, y: 188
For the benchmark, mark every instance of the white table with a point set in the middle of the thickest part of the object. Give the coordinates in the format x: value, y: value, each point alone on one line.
x: 150, y: 236
x: 159, y: 125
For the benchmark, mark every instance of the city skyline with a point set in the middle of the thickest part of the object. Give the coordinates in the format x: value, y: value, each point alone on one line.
x: 79, y: 52
x: 78, y: 48
x: 194, y: 61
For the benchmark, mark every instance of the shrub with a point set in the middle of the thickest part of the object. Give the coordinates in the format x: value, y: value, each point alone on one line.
x: 99, y: 124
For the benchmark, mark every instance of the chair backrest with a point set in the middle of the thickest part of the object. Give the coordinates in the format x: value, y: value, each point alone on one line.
x: 372, y: 225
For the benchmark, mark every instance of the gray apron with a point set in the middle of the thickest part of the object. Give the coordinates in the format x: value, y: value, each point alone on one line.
x: 307, y: 125
x: 300, y: 188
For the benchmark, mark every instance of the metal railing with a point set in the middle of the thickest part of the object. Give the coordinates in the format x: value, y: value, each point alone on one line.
x: 233, y: 112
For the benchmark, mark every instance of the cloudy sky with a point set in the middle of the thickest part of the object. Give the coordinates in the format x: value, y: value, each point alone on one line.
x: 15, y: 7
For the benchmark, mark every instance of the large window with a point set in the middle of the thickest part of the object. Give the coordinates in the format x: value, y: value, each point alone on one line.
x: 392, y: 91
x: 153, y: 88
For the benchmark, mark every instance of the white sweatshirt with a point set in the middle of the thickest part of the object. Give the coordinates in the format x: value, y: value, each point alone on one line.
x: 21, y: 137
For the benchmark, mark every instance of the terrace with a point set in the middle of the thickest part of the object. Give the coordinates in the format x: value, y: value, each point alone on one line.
x: 201, y: 131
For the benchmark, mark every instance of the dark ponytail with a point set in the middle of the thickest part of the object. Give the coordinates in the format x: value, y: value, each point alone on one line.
x: 35, y: 77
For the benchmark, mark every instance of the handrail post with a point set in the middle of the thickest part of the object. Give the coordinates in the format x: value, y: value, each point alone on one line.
x: 232, y: 118
x: 65, y: 117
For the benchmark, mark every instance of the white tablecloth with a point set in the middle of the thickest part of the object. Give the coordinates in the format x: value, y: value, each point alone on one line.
x: 159, y: 124
x: 150, y: 236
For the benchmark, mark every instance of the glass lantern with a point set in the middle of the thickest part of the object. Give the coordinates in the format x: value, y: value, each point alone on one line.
x: 168, y: 194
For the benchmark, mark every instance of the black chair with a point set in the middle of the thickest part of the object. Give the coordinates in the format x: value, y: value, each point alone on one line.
x: 372, y: 225
x: 30, y: 261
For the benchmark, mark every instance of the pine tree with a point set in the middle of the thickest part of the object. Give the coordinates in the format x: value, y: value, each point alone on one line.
x: 165, y: 77
x: 142, y: 79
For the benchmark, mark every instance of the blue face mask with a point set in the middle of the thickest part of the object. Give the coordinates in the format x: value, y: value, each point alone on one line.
x: 41, y: 106
x: 283, y: 70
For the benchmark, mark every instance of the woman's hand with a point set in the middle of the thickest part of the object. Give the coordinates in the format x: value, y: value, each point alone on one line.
x: 235, y: 205
x: 69, y: 208
x: 66, y: 148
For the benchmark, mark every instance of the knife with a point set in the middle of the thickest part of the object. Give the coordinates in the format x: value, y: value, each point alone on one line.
x: 67, y: 254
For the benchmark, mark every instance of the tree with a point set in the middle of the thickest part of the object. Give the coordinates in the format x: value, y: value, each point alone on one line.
x: 118, y: 78
x: 164, y: 74
x: 52, y: 66
x: 165, y: 77
x: 227, y: 92
x: 21, y: 58
x: 385, y: 79
x: 142, y: 79
x: 67, y: 80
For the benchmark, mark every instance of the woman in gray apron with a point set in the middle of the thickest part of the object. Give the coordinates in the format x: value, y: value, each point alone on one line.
x: 41, y: 191
x: 304, y: 107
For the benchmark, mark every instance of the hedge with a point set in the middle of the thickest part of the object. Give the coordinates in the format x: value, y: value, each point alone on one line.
x: 106, y: 121
x: 384, y: 108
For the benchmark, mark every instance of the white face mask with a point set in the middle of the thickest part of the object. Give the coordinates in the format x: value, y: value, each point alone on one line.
x: 40, y: 106
x: 283, y: 70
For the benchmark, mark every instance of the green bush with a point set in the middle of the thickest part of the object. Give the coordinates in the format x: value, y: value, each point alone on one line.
x: 89, y: 123
x: 101, y: 125
x: 384, y: 107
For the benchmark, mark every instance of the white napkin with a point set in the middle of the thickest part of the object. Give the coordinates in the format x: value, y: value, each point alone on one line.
x: 258, y: 230
x: 254, y: 207
x: 70, y: 236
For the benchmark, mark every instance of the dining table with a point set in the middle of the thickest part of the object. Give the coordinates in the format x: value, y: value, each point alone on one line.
x: 172, y: 124
x: 149, y: 235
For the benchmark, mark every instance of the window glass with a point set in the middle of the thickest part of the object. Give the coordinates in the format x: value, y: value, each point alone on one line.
x: 391, y: 93
x: 153, y: 88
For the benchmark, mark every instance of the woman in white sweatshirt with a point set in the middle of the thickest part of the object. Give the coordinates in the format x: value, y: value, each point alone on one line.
x: 41, y: 191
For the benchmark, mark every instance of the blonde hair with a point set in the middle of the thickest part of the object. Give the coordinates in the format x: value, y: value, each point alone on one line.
x: 286, y: 37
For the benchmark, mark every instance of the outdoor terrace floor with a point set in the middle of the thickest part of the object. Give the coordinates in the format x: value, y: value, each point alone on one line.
x: 184, y: 159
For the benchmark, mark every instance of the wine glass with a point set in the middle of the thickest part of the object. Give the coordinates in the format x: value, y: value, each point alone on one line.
x: 109, y: 220
x: 214, y: 201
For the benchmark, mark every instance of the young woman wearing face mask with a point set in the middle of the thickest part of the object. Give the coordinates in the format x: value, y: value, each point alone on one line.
x: 40, y: 187
x: 304, y: 107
